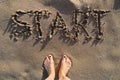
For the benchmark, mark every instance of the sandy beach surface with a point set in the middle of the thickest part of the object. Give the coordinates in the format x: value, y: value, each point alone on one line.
x: 22, y: 60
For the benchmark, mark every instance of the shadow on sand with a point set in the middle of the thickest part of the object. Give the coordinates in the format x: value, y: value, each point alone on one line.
x: 116, y: 4
x: 45, y: 42
x: 9, y: 26
x: 63, y: 6
x: 45, y: 74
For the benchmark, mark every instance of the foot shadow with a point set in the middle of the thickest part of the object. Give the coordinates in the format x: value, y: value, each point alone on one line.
x: 45, y: 74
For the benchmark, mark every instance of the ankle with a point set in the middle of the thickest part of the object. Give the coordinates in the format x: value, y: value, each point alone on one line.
x: 64, y: 78
x: 51, y: 76
x: 62, y: 74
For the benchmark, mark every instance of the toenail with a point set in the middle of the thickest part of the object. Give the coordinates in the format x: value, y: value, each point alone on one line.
x: 49, y: 56
x: 64, y: 56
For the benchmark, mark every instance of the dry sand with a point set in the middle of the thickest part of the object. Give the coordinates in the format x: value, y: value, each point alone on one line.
x: 22, y: 61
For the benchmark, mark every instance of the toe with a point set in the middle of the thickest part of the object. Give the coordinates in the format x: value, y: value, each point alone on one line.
x: 67, y: 59
x: 46, y: 60
x: 64, y: 58
x: 51, y: 58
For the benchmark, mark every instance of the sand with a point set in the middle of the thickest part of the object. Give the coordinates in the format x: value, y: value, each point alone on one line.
x: 22, y: 60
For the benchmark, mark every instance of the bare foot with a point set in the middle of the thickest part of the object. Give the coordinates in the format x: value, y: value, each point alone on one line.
x: 64, y: 68
x: 50, y: 67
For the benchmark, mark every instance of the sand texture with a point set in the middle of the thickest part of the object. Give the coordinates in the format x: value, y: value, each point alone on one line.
x: 22, y: 60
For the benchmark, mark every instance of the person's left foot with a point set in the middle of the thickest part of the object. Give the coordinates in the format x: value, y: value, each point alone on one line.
x: 50, y: 67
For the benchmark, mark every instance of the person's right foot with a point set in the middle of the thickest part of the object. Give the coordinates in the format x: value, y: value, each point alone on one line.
x: 50, y: 67
x: 64, y: 67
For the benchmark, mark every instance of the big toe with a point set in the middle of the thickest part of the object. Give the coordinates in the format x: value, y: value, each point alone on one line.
x: 67, y: 60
